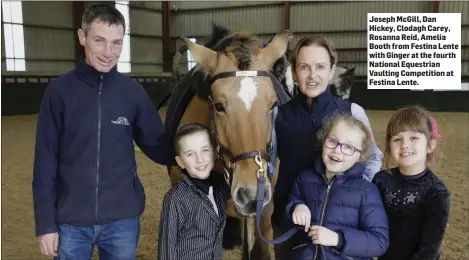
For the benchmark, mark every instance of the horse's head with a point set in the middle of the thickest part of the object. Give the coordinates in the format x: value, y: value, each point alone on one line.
x: 241, y: 108
x: 342, y: 81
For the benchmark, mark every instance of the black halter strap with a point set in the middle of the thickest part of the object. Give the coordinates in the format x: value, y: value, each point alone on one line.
x: 219, y: 147
x: 240, y: 74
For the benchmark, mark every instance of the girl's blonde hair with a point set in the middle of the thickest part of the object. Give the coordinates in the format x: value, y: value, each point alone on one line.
x: 415, y: 119
x: 349, y: 119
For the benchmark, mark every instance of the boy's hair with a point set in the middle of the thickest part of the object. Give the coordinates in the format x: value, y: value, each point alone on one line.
x: 101, y: 12
x: 349, y: 119
x: 313, y: 40
x: 411, y: 118
x: 189, y: 129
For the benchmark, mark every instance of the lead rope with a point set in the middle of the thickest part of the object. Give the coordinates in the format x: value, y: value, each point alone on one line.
x: 260, y: 201
x: 260, y: 189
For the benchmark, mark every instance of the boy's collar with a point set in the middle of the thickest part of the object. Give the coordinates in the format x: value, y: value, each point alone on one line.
x: 202, y: 184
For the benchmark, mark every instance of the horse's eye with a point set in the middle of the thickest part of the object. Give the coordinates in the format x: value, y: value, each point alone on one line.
x: 219, y: 107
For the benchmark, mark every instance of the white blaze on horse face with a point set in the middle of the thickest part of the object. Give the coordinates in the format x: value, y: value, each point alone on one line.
x: 248, y: 91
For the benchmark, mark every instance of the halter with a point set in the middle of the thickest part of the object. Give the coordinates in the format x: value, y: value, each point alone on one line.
x: 269, y: 157
x: 221, y: 149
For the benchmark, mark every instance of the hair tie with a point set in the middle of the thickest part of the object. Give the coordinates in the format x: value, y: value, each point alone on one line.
x: 435, y: 133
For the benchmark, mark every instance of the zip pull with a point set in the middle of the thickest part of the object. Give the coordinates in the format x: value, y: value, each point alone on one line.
x: 327, y: 181
x: 101, y: 84
x: 337, y: 252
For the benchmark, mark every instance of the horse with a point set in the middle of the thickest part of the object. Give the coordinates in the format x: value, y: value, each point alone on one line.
x: 233, y: 92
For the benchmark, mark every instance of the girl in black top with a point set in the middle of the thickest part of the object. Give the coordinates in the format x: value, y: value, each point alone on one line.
x: 416, y: 200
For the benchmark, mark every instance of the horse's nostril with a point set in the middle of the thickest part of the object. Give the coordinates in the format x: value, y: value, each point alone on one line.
x: 251, y: 207
x: 245, y: 199
x: 242, y: 196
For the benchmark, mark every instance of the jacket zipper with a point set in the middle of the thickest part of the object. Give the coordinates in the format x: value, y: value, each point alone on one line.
x: 312, y: 113
x: 99, y: 144
x: 324, y: 208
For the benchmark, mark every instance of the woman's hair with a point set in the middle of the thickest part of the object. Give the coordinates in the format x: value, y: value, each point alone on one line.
x: 415, y: 119
x: 349, y: 119
x: 314, y: 40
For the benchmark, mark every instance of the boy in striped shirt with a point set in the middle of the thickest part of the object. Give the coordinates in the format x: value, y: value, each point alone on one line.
x: 193, y: 216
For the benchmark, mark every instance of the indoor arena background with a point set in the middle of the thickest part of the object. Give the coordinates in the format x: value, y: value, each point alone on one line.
x: 48, y: 31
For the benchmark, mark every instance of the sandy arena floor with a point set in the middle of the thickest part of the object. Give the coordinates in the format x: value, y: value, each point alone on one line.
x: 18, y: 134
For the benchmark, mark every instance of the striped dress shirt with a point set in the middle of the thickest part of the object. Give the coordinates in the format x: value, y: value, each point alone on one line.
x: 189, y: 226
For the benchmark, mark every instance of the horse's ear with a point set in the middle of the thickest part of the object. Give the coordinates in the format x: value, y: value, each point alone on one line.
x: 351, y: 71
x: 203, y: 55
x: 275, y: 49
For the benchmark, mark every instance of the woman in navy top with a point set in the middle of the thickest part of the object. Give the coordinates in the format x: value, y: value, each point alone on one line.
x: 313, y: 64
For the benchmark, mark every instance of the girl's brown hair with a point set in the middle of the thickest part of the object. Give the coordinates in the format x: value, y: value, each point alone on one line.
x: 314, y: 40
x: 349, y: 119
x: 412, y: 118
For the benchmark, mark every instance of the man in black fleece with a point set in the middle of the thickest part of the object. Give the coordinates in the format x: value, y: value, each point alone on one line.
x: 86, y: 187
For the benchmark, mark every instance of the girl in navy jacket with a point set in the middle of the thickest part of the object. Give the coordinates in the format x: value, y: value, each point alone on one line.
x: 343, y: 215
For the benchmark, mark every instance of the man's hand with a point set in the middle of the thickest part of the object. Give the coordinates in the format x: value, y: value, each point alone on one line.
x: 49, y: 243
x: 302, y: 216
x: 323, y: 236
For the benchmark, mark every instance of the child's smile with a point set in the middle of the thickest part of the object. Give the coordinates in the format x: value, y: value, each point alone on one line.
x: 334, y: 159
x: 201, y: 168
x: 406, y: 154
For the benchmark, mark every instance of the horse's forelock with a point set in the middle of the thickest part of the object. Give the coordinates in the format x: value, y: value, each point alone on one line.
x: 241, y: 45
x: 218, y: 33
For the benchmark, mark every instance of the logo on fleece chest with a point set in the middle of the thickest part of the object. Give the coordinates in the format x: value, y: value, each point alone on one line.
x: 121, y: 121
